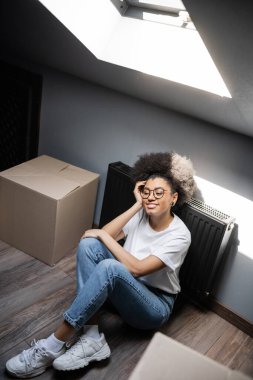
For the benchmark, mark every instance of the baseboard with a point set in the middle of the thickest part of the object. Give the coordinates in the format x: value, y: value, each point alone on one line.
x: 230, y: 316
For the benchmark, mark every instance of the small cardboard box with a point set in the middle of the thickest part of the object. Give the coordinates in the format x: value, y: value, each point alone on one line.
x: 165, y: 359
x: 45, y: 206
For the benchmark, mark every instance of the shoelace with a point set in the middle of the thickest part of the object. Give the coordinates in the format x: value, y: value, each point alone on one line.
x: 76, y: 345
x: 73, y: 340
x: 81, y: 342
x: 31, y: 355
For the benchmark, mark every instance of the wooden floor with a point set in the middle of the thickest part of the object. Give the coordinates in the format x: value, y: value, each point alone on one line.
x: 33, y: 297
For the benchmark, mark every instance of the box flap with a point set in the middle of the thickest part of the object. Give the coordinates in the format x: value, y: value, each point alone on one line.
x: 74, y: 173
x: 49, y: 176
x: 52, y: 186
x: 39, y: 165
x: 47, y: 164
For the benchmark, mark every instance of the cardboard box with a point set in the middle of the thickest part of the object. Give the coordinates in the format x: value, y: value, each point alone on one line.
x: 165, y: 359
x: 45, y: 206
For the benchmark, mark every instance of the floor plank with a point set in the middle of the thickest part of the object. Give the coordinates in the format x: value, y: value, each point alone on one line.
x: 229, y: 346
x: 243, y: 361
x: 68, y: 264
x: 29, y: 321
x: 202, y: 331
x: 33, y: 291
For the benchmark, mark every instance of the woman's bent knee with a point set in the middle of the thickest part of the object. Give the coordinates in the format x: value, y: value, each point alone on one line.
x: 112, y: 265
x: 87, y: 243
x: 93, y: 250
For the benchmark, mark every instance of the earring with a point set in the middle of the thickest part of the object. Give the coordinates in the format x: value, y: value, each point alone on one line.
x: 172, y: 204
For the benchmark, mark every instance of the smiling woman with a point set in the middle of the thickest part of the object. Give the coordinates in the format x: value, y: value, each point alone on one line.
x: 141, y: 279
x: 157, y: 195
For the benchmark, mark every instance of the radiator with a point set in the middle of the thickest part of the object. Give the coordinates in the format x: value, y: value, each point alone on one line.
x: 210, y: 231
x: 118, y: 195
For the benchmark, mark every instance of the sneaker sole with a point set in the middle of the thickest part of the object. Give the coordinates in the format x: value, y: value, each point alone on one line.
x: 105, y: 353
x: 26, y: 376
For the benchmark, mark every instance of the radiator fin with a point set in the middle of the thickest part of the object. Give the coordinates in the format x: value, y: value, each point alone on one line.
x: 208, y: 210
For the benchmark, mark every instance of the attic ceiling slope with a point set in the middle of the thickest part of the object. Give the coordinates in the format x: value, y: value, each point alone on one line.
x: 135, y: 41
x: 30, y: 33
x: 227, y: 29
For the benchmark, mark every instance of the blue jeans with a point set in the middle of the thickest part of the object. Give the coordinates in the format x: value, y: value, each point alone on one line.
x: 100, y: 277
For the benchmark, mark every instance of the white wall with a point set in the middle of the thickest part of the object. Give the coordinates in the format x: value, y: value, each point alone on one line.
x: 91, y: 126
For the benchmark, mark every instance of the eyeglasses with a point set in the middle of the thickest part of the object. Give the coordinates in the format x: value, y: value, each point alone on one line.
x: 158, y: 192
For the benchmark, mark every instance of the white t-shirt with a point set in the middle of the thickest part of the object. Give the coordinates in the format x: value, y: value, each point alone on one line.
x: 169, y: 245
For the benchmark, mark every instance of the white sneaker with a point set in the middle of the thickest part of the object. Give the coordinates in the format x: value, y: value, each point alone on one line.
x: 82, y: 353
x: 33, y: 361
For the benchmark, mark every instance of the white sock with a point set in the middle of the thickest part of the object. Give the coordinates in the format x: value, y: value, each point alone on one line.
x: 92, y: 331
x: 53, y: 344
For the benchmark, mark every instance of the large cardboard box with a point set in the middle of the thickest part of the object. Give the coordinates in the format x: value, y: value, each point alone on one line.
x: 45, y: 206
x: 166, y: 359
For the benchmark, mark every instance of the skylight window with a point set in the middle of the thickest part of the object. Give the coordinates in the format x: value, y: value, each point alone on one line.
x: 173, y: 6
x: 170, y: 12
x: 152, y: 37
x: 180, y: 19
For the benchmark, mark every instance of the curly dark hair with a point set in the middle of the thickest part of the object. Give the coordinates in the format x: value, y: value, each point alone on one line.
x: 176, y: 169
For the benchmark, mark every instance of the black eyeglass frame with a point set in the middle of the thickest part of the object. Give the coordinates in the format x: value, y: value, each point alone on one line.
x: 152, y: 191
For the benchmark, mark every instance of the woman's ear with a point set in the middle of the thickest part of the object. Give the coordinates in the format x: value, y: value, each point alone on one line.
x: 174, y: 199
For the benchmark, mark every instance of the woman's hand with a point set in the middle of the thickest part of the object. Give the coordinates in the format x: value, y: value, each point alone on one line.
x: 137, y: 191
x: 94, y: 233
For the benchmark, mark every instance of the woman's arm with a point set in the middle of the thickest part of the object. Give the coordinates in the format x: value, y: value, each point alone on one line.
x: 114, y: 228
x: 135, y: 266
